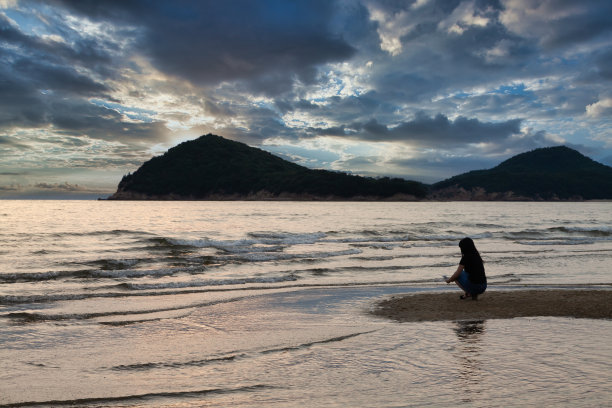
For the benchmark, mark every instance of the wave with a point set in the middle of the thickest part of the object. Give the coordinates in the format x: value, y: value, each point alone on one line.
x: 510, y: 277
x: 29, y: 299
x: 407, y: 238
x: 113, y: 264
x: 33, y: 277
x: 313, y: 343
x: 378, y: 239
x: 115, y: 232
x: 34, y: 317
x: 454, y: 236
x: 267, y: 239
x: 111, y: 401
x: 139, y: 273
x: 134, y: 290
x: 154, y: 317
x: 263, y: 257
x: 557, y: 241
x: 560, y: 233
x: 600, y: 232
x: 231, y: 357
x: 193, y: 363
x: 94, y: 273
x: 32, y: 299
x: 270, y: 242
x: 359, y: 268
x: 46, y: 276
x: 211, y: 282
x: 287, y: 238
x: 377, y: 245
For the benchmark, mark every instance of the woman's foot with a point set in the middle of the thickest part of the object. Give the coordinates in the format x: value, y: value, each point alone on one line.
x: 466, y: 296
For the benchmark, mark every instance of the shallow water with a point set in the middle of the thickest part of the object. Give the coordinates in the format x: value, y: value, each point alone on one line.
x: 265, y: 304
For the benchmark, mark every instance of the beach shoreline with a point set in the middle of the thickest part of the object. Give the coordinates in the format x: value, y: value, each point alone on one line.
x: 497, y: 304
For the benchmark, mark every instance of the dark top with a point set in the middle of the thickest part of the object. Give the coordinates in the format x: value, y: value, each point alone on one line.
x: 474, y: 267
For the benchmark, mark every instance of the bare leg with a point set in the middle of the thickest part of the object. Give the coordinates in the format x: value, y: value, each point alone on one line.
x: 463, y: 289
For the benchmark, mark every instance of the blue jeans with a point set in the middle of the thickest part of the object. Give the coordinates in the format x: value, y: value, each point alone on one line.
x: 468, y: 286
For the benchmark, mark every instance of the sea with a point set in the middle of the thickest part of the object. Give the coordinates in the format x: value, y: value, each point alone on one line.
x: 267, y: 304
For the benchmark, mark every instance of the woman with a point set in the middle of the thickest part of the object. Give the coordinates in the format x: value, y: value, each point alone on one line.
x: 470, y: 275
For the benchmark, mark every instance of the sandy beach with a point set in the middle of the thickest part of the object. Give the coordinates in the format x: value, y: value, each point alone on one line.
x: 592, y: 304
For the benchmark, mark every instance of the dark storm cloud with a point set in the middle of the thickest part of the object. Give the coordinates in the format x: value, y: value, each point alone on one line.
x: 48, y: 83
x: 67, y: 187
x: 440, y: 130
x: 64, y: 79
x: 435, y: 131
x: 24, y: 104
x: 603, y: 63
x: 10, y: 188
x: 441, y: 55
x: 10, y: 142
x: 269, y: 43
x: 350, y: 109
x: 20, y: 102
x: 99, y: 122
x: 332, y: 131
x: 86, y: 52
x: 572, y: 22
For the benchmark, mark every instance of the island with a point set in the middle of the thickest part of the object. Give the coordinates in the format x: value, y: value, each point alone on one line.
x: 552, y: 173
x: 214, y: 168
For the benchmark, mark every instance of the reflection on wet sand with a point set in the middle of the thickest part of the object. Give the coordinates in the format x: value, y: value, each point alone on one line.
x: 468, y: 354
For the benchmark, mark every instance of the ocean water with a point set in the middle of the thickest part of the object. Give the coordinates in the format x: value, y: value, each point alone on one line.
x: 265, y: 304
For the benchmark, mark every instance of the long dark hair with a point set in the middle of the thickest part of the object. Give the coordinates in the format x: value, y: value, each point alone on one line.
x: 468, y: 248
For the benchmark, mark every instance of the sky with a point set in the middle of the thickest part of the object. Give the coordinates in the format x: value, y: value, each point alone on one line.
x: 418, y: 89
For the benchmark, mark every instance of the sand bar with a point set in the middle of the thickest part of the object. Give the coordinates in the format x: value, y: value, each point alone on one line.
x: 592, y: 304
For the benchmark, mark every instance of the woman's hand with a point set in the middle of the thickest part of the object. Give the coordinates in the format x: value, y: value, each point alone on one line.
x: 456, y: 274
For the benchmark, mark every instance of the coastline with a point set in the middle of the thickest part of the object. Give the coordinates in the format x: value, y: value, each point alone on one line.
x: 493, y: 304
x: 288, y: 197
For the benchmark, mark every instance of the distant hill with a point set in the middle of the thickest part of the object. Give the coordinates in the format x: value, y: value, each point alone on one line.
x: 212, y: 167
x: 546, y: 174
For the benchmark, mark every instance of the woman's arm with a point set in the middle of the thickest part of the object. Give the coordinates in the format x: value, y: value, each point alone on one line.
x: 456, y: 274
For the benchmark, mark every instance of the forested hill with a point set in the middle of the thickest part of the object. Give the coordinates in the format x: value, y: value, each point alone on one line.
x: 212, y: 167
x: 547, y: 173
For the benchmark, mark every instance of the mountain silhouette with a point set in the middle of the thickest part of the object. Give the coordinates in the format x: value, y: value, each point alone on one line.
x: 546, y: 173
x: 212, y: 167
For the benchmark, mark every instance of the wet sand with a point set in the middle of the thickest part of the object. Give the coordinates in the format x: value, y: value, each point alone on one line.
x: 592, y: 304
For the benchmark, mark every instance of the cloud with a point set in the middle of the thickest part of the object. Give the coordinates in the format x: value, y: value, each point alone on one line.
x: 266, y: 42
x: 558, y: 23
x: 10, y: 142
x: 10, y: 188
x: 392, y: 26
x: 66, y: 47
x: 601, y: 108
x: 55, y: 78
x: 439, y: 131
x: 603, y: 63
x: 464, y: 16
x: 50, y: 84
x: 385, y: 86
x: 51, y: 190
x: 63, y: 187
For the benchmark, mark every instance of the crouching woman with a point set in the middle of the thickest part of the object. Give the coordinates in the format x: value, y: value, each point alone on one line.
x: 470, y: 275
